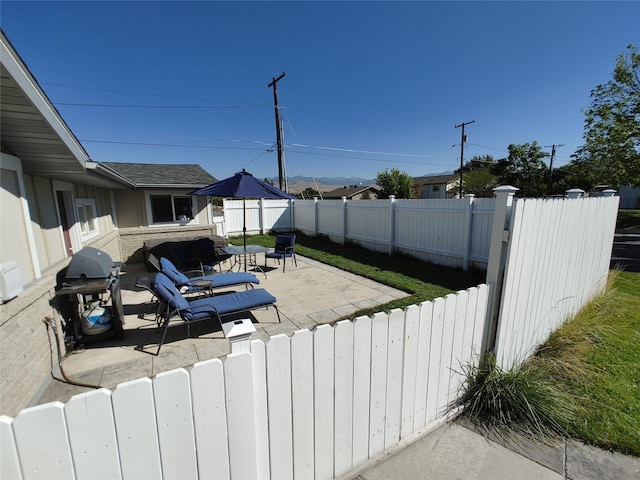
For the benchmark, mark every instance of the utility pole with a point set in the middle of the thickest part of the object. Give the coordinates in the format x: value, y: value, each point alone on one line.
x: 553, y: 154
x: 273, y: 84
x: 462, y: 140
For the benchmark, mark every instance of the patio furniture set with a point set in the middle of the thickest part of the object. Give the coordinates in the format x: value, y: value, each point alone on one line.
x: 194, y: 298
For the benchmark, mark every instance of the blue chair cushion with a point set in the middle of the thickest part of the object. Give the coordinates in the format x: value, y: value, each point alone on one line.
x: 233, y: 302
x: 217, y: 280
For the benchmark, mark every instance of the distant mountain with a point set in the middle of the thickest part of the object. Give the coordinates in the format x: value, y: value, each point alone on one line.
x: 337, y: 181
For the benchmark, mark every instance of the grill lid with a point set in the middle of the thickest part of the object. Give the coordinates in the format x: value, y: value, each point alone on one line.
x: 90, y: 263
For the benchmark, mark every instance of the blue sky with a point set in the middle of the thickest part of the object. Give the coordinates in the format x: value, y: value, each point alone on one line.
x: 368, y: 85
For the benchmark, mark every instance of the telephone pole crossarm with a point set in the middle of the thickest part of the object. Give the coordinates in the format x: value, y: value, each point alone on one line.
x: 462, y: 140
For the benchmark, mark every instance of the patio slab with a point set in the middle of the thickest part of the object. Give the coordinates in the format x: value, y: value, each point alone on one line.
x: 308, y: 295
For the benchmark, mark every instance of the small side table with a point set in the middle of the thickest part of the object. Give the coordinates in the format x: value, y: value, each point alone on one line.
x: 204, y: 286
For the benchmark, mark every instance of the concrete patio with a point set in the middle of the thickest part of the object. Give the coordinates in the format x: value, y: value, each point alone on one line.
x: 308, y: 295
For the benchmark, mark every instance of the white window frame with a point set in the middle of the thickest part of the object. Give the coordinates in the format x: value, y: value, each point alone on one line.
x: 87, y: 218
x: 175, y: 222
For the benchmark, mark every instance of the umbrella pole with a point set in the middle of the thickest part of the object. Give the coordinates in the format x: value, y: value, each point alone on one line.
x: 244, y: 231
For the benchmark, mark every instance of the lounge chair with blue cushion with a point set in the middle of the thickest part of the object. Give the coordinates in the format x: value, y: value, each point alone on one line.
x: 206, y: 308
x: 199, y: 284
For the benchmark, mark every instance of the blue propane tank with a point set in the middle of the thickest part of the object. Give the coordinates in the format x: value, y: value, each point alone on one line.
x: 95, y: 319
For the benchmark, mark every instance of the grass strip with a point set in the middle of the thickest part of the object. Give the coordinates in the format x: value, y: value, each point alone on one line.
x: 583, y: 382
x: 595, y: 358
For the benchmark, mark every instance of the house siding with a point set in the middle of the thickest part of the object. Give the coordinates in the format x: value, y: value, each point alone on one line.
x: 45, y: 224
x: 13, y: 237
x: 28, y: 348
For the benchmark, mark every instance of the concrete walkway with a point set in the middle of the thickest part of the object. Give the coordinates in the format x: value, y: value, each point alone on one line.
x: 454, y: 451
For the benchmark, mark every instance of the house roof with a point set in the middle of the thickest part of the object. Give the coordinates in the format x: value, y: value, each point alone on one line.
x: 349, y: 191
x: 32, y: 129
x: 436, y: 179
x: 153, y: 175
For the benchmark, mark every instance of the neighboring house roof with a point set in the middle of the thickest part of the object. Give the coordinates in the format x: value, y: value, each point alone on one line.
x: 350, y: 192
x: 154, y: 175
x: 436, y: 179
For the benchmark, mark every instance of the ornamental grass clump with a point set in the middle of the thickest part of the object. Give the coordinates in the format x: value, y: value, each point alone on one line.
x: 518, y: 400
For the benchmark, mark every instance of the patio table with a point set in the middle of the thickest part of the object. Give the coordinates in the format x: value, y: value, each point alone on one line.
x: 243, y: 255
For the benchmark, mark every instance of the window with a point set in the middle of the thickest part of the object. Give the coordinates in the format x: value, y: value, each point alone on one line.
x: 436, y: 188
x: 87, y: 219
x: 171, y: 208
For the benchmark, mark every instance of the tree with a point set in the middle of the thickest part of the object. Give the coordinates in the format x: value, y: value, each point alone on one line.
x: 477, y: 177
x: 394, y: 182
x: 309, y: 192
x: 524, y: 169
x: 611, y: 152
x: 480, y: 183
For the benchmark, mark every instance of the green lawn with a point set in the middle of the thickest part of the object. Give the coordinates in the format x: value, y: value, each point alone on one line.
x: 596, y: 359
x: 422, y: 280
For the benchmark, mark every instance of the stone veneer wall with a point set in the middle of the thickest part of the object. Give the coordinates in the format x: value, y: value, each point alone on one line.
x: 27, y: 346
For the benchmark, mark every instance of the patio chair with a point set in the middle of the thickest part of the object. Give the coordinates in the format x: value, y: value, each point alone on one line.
x: 206, y: 308
x: 285, y: 248
x: 206, y: 283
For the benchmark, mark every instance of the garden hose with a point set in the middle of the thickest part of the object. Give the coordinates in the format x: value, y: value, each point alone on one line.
x: 50, y: 322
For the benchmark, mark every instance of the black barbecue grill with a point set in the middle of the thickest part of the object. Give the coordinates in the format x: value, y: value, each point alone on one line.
x: 89, y: 298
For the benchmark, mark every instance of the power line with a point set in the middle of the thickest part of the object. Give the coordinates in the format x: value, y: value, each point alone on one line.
x: 195, y: 107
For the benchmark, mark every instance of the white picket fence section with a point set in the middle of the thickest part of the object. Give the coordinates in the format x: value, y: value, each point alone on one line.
x: 449, y: 232
x: 557, y: 260
x: 318, y: 404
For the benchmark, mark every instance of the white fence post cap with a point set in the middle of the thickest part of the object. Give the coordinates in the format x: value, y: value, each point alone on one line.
x: 574, y: 193
x: 506, y: 189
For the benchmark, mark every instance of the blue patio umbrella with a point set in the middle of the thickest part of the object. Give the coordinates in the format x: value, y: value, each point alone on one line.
x: 242, y: 185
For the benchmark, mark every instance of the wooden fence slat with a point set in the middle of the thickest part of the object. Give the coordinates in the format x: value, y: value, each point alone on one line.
x: 410, y: 366
x: 422, y: 366
x: 482, y: 307
x: 323, y: 361
x: 302, y: 403
x: 459, y: 349
x: 42, y: 442
x: 92, y: 435
x: 393, y: 402
x: 9, y: 461
x: 446, y: 354
x: 377, y: 403
x: 279, y: 401
x: 210, y: 419
x: 176, y: 433
x: 469, y: 330
x: 135, y: 416
x: 261, y: 404
x: 343, y: 373
x: 435, y: 359
x: 361, y: 388
x: 240, y: 415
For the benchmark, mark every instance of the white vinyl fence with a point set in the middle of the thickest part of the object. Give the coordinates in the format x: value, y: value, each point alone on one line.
x: 318, y: 404
x: 323, y: 404
x: 449, y: 232
x: 557, y: 259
